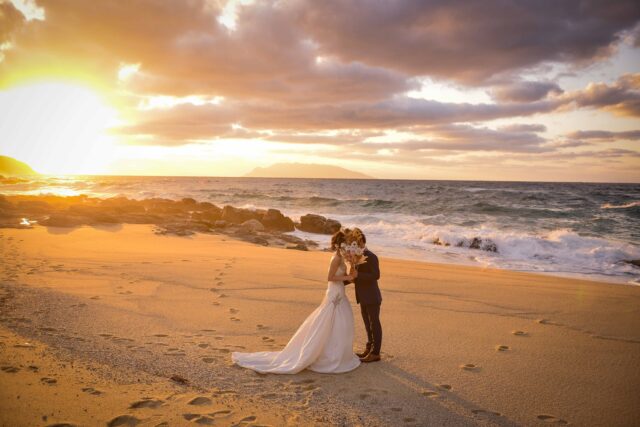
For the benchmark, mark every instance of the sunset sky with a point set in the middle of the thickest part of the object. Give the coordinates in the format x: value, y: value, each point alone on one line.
x: 490, y: 90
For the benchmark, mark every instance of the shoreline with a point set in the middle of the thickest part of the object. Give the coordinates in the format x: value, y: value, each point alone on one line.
x: 267, y: 227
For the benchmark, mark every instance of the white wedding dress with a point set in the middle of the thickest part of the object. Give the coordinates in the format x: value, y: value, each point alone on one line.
x: 323, y: 343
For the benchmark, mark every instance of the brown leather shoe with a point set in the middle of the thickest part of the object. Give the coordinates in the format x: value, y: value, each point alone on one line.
x: 370, y: 358
x: 364, y: 353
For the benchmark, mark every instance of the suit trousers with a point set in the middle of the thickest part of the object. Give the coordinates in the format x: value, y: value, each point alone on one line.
x: 371, y: 317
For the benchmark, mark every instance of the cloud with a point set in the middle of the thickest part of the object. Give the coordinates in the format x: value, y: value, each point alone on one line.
x: 607, y: 136
x: 521, y: 127
x: 182, y: 50
x: 468, y: 139
x: 525, y: 91
x: 11, y: 20
x: 189, y: 122
x: 622, y: 97
x: 334, y: 73
x: 470, y: 42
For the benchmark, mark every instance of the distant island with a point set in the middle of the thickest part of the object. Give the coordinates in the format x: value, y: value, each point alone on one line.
x: 305, y: 170
x: 12, y: 167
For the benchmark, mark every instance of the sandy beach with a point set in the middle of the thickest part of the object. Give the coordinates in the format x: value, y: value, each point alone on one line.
x: 95, y: 322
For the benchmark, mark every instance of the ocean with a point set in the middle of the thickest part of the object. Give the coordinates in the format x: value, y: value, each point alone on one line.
x: 584, y: 230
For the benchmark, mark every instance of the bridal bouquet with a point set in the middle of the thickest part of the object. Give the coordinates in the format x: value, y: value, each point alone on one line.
x: 353, y: 249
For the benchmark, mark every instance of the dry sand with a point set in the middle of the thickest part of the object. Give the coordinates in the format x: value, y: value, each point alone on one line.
x: 95, y: 322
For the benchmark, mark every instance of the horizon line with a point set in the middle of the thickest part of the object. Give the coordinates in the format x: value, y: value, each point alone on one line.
x: 328, y: 178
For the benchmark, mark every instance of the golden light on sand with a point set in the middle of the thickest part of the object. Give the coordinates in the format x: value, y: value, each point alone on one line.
x: 57, y: 127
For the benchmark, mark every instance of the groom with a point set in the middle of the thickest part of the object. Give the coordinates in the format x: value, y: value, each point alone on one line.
x: 368, y: 296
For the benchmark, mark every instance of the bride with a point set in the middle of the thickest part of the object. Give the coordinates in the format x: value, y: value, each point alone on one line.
x: 324, y: 341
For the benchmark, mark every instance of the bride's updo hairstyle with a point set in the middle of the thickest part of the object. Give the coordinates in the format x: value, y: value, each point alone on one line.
x: 338, y: 238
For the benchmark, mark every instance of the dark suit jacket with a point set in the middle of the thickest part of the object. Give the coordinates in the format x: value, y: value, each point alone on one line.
x: 367, y: 290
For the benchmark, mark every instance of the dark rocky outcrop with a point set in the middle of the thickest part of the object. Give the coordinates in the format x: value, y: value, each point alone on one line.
x: 62, y: 220
x: 297, y: 246
x: 313, y: 223
x: 238, y: 216
x: 478, y: 243
x: 183, y: 218
x: 273, y: 219
x: 439, y: 242
x: 253, y: 225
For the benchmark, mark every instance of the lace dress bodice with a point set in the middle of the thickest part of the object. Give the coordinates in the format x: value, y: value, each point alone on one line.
x: 335, y: 289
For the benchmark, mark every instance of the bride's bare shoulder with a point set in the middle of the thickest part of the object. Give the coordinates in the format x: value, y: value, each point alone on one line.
x: 335, y: 259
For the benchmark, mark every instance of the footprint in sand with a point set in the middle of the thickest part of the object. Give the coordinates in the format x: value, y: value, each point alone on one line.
x: 33, y: 368
x: 552, y: 419
x: 215, y: 303
x: 234, y: 319
x: 208, y: 359
x: 123, y: 420
x: 91, y: 390
x: 200, y: 400
x: 484, y: 412
x: 24, y: 345
x: 268, y: 339
x: 179, y: 379
x: 61, y: 425
x: 470, y: 367
x: 221, y: 413
x: 409, y: 420
x: 223, y: 350
x: 543, y: 321
x: 94, y: 297
x: 10, y: 369
x: 430, y: 393
x: 175, y: 352
x: 204, y: 420
x: 233, y: 310
x: 48, y: 381
x: 160, y: 335
x: 191, y: 417
x: 444, y: 387
x: 519, y: 333
x: 503, y: 348
x: 203, y: 345
x: 208, y: 330
x: 146, y: 403
x: 249, y: 419
x: 261, y: 326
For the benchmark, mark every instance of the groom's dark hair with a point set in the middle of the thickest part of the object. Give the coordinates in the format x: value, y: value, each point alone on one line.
x: 358, y: 231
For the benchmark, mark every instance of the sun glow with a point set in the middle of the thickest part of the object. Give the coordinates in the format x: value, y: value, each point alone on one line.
x: 57, y: 127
